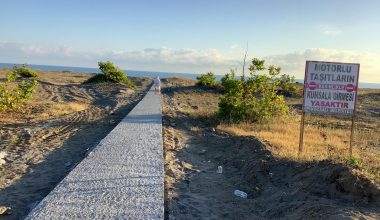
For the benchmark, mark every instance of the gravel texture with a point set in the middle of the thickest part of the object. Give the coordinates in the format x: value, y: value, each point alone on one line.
x: 122, y: 178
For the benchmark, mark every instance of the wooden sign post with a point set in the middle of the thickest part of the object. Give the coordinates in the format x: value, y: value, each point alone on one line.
x: 300, y: 146
x: 352, y: 134
x: 330, y: 88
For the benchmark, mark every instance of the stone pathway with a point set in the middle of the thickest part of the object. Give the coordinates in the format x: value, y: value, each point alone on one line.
x: 122, y: 178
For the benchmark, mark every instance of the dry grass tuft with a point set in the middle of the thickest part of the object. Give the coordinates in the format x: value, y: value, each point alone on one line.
x: 66, y: 108
x: 324, y: 137
x: 323, y: 142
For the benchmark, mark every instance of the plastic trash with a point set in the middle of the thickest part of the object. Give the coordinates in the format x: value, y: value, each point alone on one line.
x: 241, y: 194
x: 5, y: 210
x: 220, y: 169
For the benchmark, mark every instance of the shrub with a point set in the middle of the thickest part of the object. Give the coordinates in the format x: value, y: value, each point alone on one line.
x: 253, y: 99
x: 98, y: 78
x: 130, y: 83
x: 24, y: 71
x: 355, y: 162
x: 107, y: 67
x: 110, y: 73
x: 287, y: 85
x: 207, y: 79
x: 12, y: 94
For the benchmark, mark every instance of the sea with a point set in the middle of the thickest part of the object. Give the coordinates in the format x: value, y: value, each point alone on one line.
x: 139, y: 73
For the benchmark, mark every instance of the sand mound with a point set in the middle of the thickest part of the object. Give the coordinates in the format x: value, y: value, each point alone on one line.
x: 276, y: 188
x: 45, y: 139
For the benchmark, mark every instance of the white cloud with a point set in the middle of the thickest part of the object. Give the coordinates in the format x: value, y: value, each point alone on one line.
x: 294, y: 63
x: 330, y: 30
x: 183, y: 60
x: 158, y: 59
x: 235, y: 46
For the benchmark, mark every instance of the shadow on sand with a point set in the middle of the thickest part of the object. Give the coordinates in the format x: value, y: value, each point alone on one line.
x: 277, y: 188
x: 24, y: 194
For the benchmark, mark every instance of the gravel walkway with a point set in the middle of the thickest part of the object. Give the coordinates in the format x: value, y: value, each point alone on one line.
x: 122, y: 178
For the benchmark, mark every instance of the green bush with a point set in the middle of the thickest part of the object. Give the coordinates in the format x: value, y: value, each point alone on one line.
x: 13, y: 94
x: 107, y: 67
x: 98, y: 78
x: 287, y: 85
x: 110, y: 73
x: 207, y: 79
x: 254, y: 98
x: 130, y: 83
x: 117, y: 77
x: 24, y: 71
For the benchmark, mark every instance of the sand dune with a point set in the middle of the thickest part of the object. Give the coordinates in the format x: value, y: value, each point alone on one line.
x: 45, y: 139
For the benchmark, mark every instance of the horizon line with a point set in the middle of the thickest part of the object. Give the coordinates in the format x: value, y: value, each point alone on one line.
x: 138, y: 70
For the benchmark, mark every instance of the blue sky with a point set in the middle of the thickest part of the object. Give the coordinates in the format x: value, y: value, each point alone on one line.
x: 191, y: 36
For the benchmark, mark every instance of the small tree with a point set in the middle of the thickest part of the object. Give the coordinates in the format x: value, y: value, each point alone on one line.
x: 24, y: 71
x: 207, y: 79
x: 231, y: 106
x: 287, y: 85
x: 252, y: 99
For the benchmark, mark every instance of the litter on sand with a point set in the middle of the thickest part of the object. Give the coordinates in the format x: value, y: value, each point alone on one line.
x: 241, y: 194
x: 220, y: 169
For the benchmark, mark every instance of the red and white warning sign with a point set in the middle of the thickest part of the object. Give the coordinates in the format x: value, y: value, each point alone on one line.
x: 331, y: 88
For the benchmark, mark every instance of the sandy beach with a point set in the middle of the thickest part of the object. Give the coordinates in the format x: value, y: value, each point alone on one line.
x: 42, y: 141
x: 278, y: 188
x: 242, y: 110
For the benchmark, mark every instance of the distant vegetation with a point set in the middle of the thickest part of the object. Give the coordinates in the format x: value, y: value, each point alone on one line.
x: 287, y: 85
x: 24, y: 71
x: 13, y: 93
x: 325, y: 138
x: 257, y: 97
x: 207, y: 79
x: 110, y: 73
